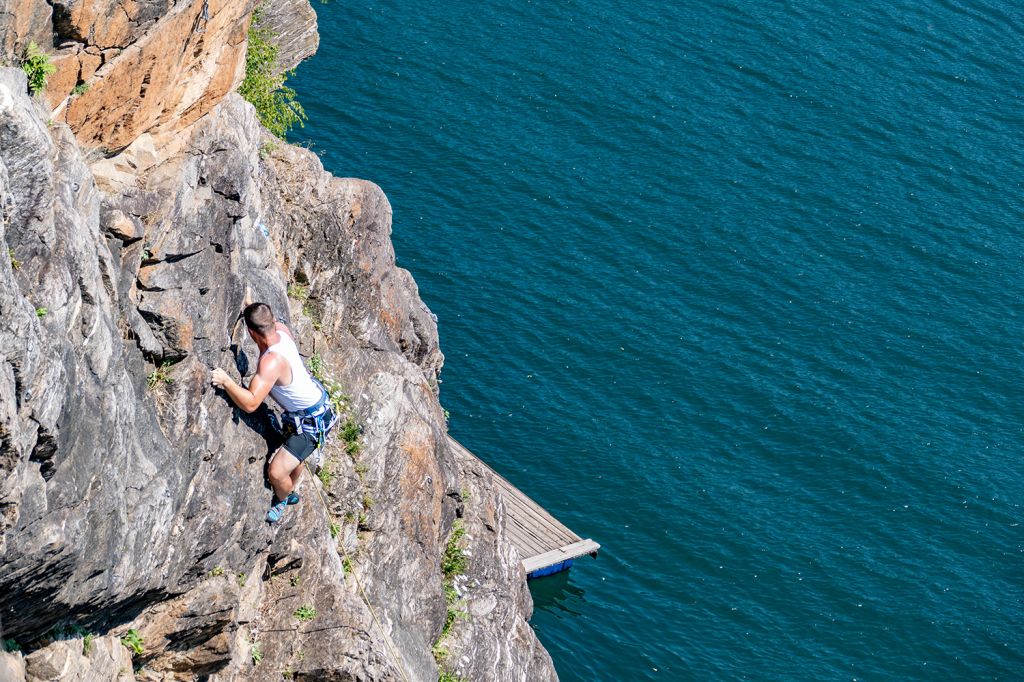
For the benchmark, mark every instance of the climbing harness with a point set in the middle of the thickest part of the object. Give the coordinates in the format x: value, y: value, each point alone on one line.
x: 316, y: 420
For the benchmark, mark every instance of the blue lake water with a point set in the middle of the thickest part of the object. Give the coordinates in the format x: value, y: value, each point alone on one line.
x: 735, y: 289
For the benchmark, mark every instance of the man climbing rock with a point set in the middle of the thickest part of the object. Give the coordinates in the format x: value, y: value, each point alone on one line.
x: 308, y: 416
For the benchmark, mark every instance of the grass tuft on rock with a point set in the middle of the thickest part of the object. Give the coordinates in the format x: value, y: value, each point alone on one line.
x: 160, y: 375
x: 453, y: 560
x: 305, y: 612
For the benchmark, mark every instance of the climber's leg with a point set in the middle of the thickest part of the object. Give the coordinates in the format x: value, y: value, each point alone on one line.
x: 280, y: 473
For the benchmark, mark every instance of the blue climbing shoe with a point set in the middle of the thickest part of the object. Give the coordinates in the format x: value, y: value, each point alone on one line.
x: 276, y: 512
x: 293, y: 498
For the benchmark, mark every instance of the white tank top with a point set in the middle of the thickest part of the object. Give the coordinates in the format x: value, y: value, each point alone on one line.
x: 301, y: 392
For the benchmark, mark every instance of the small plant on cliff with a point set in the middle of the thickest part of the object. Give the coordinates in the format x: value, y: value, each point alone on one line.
x: 41, y: 312
x: 216, y: 572
x: 36, y: 65
x: 453, y: 563
x: 305, y: 612
x: 241, y: 578
x: 313, y: 313
x: 449, y: 676
x: 159, y: 376
x: 298, y: 291
x: 335, y: 529
x: 11, y: 645
x: 87, y: 643
x: 15, y: 263
x: 264, y: 87
x: 80, y: 89
x: 325, y: 474
x: 316, y: 364
x: 339, y: 399
x: 350, y: 432
x: 133, y: 642
x: 453, y: 560
x: 267, y: 148
x: 256, y: 651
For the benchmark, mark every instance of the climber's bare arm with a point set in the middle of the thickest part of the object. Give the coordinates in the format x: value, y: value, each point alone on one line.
x: 249, y: 399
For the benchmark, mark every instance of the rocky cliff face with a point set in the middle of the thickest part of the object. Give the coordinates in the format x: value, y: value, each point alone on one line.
x: 133, y: 494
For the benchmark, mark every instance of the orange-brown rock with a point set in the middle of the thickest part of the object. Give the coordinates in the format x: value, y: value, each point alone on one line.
x: 178, y: 68
x: 65, y: 77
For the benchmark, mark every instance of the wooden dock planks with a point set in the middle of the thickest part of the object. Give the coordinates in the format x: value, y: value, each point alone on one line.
x: 541, y: 540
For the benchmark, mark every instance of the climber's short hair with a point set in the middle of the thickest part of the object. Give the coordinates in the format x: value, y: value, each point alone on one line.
x: 259, y: 318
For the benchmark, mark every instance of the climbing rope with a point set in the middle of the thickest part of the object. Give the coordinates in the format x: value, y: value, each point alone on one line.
x: 387, y: 639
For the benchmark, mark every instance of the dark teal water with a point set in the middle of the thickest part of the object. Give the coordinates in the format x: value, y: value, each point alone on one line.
x: 733, y: 288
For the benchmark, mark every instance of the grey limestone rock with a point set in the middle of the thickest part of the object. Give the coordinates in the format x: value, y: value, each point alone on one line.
x: 68, y: 661
x: 293, y: 23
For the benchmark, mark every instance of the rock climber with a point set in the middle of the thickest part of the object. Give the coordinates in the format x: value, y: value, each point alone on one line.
x: 308, y: 416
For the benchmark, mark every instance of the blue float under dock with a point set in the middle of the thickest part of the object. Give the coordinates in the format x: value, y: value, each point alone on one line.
x: 545, y: 544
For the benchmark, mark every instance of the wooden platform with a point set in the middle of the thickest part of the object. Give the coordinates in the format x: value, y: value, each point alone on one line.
x: 545, y: 544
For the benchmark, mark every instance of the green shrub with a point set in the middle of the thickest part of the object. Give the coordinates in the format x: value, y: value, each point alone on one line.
x: 305, y: 612
x: 37, y: 67
x: 87, y: 643
x: 11, y: 645
x: 264, y: 88
x: 256, y: 651
x: 80, y: 89
x: 335, y: 529
x: 15, y: 263
x: 133, y: 642
x: 41, y: 312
